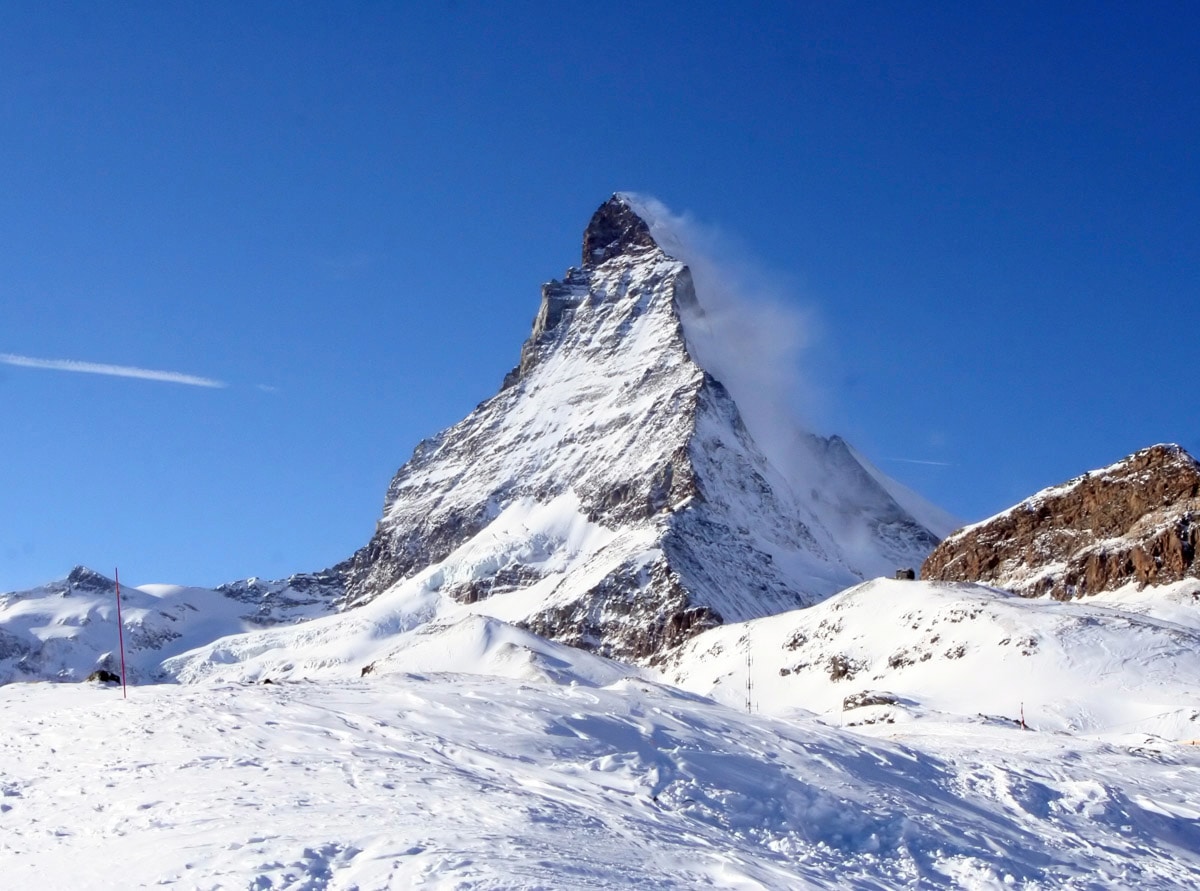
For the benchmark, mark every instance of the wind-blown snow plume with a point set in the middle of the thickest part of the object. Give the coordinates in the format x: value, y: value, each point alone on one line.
x: 146, y: 374
x: 749, y: 334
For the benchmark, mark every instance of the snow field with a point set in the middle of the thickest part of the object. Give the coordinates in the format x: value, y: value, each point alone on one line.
x: 466, y: 782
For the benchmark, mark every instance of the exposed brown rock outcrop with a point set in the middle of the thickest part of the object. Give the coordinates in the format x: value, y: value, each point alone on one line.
x: 1136, y: 521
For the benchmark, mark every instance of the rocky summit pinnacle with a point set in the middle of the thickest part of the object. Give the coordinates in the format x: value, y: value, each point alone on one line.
x: 615, y: 229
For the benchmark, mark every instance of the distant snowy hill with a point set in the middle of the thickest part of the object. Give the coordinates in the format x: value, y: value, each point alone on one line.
x: 66, y: 629
x: 1127, y: 661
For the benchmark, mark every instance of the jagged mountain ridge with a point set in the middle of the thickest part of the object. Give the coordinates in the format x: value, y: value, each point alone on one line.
x: 67, y: 628
x: 659, y: 515
x: 1134, y: 522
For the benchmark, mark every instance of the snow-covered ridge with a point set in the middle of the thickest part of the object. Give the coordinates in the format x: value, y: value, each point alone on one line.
x: 1124, y: 662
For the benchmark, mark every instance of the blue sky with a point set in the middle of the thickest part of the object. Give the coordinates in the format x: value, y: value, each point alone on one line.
x: 986, y: 214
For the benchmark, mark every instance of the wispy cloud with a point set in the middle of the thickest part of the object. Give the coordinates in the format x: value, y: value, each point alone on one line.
x: 146, y: 374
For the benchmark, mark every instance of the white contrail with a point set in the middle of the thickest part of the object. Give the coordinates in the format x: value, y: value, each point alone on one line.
x: 919, y: 461
x: 146, y: 374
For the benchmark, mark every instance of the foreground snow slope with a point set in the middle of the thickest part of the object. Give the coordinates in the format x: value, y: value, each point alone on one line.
x: 444, y: 781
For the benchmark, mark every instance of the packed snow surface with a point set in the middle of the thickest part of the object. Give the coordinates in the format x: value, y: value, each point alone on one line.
x: 466, y: 782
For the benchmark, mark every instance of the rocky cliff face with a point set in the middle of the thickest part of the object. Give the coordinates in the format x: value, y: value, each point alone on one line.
x: 610, y: 495
x: 1137, y: 521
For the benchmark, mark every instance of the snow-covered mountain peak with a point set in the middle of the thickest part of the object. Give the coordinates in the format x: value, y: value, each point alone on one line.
x: 611, y: 495
x: 81, y: 578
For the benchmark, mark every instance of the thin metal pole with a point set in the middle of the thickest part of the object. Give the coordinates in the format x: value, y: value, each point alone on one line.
x: 749, y: 679
x: 121, y: 633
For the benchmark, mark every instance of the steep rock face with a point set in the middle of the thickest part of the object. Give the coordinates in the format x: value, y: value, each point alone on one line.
x: 615, y: 229
x: 609, y: 495
x: 1136, y: 521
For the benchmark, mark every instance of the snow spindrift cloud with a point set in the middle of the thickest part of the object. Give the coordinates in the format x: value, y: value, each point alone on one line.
x: 147, y: 374
x: 750, y: 334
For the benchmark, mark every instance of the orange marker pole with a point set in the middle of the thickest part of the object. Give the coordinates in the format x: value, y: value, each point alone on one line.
x: 121, y: 633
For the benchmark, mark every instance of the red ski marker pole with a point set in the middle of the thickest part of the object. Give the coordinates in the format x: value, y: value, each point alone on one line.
x: 121, y: 633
